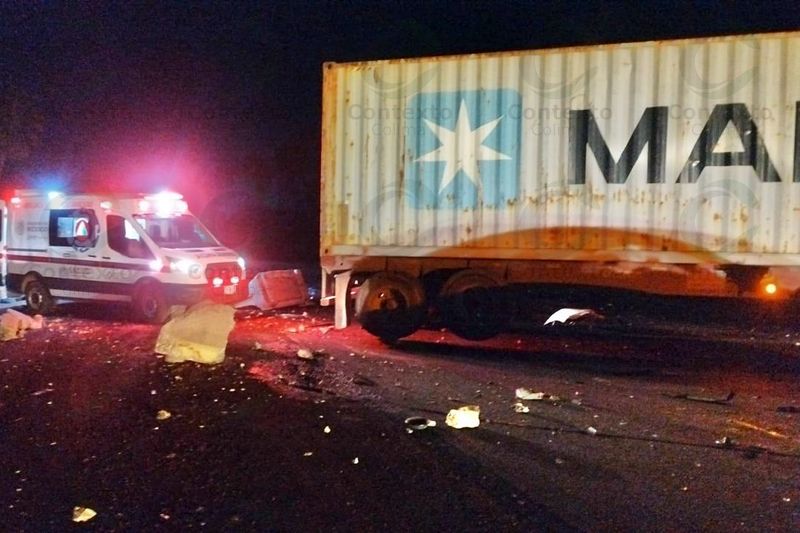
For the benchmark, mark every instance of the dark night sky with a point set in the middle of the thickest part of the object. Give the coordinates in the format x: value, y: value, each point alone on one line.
x: 213, y: 96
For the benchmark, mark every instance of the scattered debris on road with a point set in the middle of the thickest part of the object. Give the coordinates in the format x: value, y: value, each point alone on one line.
x: 276, y: 289
x: 754, y: 427
x: 163, y: 414
x: 703, y: 399
x: 358, y: 379
x: 528, y: 395
x: 14, y: 324
x: 725, y: 442
x: 418, y: 423
x: 567, y: 314
x: 304, y: 353
x: 464, y: 417
x: 83, y: 514
x: 519, y: 407
x: 525, y: 394
x: 591, y: 431
x: 199, y: 334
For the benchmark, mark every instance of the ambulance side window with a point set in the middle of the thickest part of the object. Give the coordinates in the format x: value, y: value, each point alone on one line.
x: 73, y: 227
x: 123, y: 238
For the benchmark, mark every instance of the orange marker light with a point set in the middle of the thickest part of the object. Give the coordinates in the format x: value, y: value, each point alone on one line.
x: 770, y: 288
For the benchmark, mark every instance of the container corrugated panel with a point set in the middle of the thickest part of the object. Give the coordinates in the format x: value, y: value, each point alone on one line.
x: 679, y: 151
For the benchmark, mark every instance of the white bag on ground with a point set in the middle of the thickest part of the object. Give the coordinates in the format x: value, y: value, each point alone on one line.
x: 13, y: 324
x: 198, y: 334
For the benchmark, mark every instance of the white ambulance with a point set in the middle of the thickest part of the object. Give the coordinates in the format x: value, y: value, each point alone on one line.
x: 146, y: 250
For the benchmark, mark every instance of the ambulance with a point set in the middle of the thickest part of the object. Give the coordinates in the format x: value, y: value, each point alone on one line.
x: 146, y: 250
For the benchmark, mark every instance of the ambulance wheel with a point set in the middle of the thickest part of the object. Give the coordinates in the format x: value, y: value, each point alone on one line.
x: 474, y: 305
x: 38, y: 298
x: 150, y: 304
x: 391, y: 305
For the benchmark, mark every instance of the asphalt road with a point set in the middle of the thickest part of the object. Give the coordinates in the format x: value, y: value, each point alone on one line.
x: 624, y: 441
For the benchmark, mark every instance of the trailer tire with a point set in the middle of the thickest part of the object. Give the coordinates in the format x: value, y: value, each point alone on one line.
x: 38, y: 297
x: 391, y: 305
x: 474, y: 305
x: 150, y: 304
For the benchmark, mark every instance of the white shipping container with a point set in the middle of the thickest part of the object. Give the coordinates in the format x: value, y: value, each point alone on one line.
x: 674, y: 152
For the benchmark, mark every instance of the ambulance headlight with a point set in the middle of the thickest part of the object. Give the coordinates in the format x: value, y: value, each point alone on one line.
x: 184, y: 266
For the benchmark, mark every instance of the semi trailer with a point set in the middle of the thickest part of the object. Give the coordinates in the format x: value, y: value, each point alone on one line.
x: 668, y: 167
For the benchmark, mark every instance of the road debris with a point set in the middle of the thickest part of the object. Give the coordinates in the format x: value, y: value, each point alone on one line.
x: 14, y: 324
x: 355, y: 460
x: 703, y: 399
x: 358, y: 379
x: 520, y: 407
x: 326, y: 429
x: 82, y: 514
x: 526, y: 394
x: 789, y: 409
x: 591, y: 431
x: 200, y: 334
x: 304, y: 353
x: 418, y: 423
x: 163, y: 414
x: 754, y: 427
x: 567, y: 314
x: 276, y: 289
x: 467, y: 416
x: 725, y: 442
x: 43, y: 391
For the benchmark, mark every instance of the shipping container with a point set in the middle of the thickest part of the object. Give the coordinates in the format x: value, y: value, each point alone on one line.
x: 670, y: 167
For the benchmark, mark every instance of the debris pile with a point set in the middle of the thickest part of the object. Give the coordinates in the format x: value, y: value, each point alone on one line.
x: 13, y: 324
x: 199, y: 334
x: 464, y: 417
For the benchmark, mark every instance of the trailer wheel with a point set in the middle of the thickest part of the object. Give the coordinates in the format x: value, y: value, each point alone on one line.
x: 38, y: 298
x: 391, y: 305
x: 150, y: 304
x: 474, y: 305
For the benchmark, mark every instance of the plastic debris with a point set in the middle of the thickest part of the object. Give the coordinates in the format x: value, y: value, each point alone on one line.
x: 82, y: 514
x: 14, y: 324
x: 418, y: 423
x: 703, y: 399
x: 303, y: 353
x: 355, y: 461
x: 308, y: 454
x: 276, y: 289
x: 567, y: 314
x: 464, y: 417
x: 525, y: 394
x: 200, y: 334
x: 521, y: 408
x: 725, y: 442
x: 326, y: 429
x: 163, y: 414
x: 591, y: 431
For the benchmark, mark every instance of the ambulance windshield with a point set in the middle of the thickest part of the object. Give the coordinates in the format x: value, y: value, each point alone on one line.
x: 181, y: 231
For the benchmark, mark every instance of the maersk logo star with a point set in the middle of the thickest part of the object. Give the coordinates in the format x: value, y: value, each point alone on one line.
x: 462, y: 148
